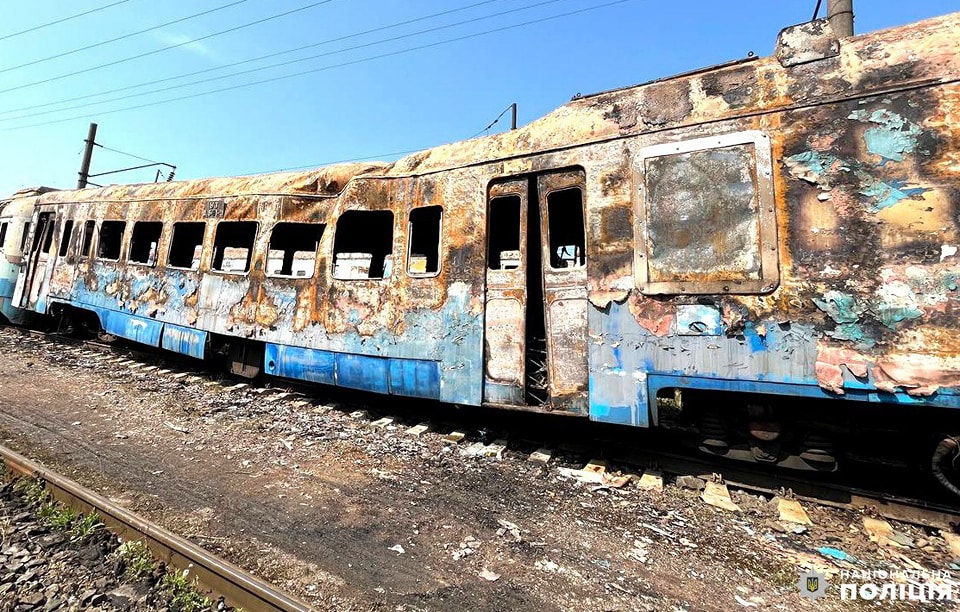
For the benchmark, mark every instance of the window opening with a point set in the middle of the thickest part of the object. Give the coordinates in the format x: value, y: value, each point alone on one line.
x: 65, y: 237
x: 88, y: 229
x: 186, y: 245
x: 41, y: 234
x: 503, y: 247
x: 111, y: 240
x: 3, y: 233
x: 363, y: 244
x: 423, y: 252
x: 23, y: 238
x: 567, y: 242
x: 293, y: 249
x: 233, y: 245
x: 144, y: 242
x: 48, y: 234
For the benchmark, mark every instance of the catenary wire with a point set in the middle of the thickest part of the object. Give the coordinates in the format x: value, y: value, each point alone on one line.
x: 106, y: 148
x: 492, y: 123
x: 55, y: 22
x: 239, y: 63
x: 112, y: 40
x: 281, y: 64
x: 324, y: 68
x: 167, y: 48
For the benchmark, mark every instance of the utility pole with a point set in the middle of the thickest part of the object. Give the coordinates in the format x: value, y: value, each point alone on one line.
x: 513, y: 116
x: 840, y: 14
x: 87, y: 155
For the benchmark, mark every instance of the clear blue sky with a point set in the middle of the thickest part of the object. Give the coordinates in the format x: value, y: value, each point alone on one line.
x: 406, y: 101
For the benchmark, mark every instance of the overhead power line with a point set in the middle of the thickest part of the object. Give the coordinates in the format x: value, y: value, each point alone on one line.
x: 167, y: 48
x: 51, y: 23
x: 239, y: 63
x: 112, y: 40
x: 287, y: 63
x: 325, y: 68
x: 105, y: 148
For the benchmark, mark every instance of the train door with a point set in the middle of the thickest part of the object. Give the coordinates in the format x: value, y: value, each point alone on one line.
x: 536, y: 302
x: 33, y: 272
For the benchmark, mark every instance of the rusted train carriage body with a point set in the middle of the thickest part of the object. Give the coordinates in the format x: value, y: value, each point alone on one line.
x: 782, y: 226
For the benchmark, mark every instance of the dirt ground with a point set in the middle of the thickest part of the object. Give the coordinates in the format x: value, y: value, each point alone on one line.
x: 350, y: 514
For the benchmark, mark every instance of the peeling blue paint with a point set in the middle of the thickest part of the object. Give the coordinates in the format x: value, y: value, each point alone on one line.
x: 841, y: 307
x: 893, y: 135
x: 891, y: 314
x: 886, y: 194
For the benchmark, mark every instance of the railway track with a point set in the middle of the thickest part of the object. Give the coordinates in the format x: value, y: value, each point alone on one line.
x: 214, y: 575
x: 584, y: 440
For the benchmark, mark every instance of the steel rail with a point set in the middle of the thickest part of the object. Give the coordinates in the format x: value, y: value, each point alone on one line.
x: 238, y: 588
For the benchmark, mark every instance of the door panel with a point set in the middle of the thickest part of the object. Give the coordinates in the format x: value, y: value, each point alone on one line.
x: 33, y: 273
x: 506, y: 299
x: 562, y: 218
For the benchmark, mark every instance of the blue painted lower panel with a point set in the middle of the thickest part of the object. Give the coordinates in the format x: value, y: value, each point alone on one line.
x: 502, y: 393
x: 138, y: 329
x: 184, y: 340
x: 655, y: 382
x: 362, y: 372
x: 414, y: 378
x: 407, y: 377
x: 300, y: 363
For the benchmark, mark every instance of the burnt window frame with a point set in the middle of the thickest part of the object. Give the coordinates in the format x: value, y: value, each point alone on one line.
x: 130, y: 247
x: 66, y: 237
x: 548, y: 229
x: 99, y: 246
x: 383, y: 264
x: 322, y: 227
x: 250, y: 253
x: 87, y: 240
x: 769, y: 271
x: 439, y: 253
x: 173, y: 235
x: 495, y: 237
x: 4, y: 225
x: 24, y: 236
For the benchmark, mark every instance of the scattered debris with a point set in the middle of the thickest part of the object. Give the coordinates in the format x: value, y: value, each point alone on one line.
x: 397, y: 548
x: 690, y: 482
x: 176, y: 427
x: 488, y: 575
x: 836, y: 553
x: 508, y: 527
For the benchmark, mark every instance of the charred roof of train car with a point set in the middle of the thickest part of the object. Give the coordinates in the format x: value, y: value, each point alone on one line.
x: 322, y: 182
x: 828, y: 69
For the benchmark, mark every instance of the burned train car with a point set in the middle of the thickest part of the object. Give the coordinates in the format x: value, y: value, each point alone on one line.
x: 732, y: 252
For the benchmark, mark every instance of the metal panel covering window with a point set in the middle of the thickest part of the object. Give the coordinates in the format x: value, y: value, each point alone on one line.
x: 706, y: 221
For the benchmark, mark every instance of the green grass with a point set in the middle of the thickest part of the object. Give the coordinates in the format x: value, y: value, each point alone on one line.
x: 184, y: 594
x: 137, y: 559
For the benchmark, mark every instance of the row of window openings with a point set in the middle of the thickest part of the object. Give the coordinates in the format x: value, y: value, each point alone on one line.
x: 566, y: 235
x: 363, y: 244
x: 362, y: 248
